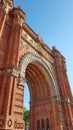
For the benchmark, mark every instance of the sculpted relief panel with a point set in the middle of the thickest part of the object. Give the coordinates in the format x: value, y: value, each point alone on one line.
x: 27, y: 42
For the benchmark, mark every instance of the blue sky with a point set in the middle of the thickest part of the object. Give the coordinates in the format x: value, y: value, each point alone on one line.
x: 53, y: 20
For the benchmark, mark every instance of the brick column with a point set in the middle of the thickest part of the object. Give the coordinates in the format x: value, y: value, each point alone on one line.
x: 11, y: 57
x: 31, y: 117
x: 9, y: 73
x: 17, y: 108
x: 64, y: 87
x: 68, y: 99
x: 54, y: 114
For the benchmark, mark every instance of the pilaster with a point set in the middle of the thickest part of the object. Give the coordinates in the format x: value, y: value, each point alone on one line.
x: 11, y: 56
x: 64, y: 88
x: 9, y: 74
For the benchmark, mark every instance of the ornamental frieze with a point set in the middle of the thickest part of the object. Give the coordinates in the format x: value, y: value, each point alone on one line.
x: 36, y: 45
x: 28, y: 58
x: 9, y: 71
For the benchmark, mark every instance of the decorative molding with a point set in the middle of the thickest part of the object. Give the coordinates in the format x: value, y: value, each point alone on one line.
x: 21, y: 81
x: 18, y: 125
x: 43, y: 112
x: 28, y: 58
x: 40, y: 38
x: 9, y: 71
x: 1, y: 122
x: 7, y: 5
x: 23, y: 45
x: 20, y: 15
x: 36, y: 45
x: 15, y: 72
x: 20, y: 21
x: 65, y: 127
x: 9, y: 123
x: 63, y: 99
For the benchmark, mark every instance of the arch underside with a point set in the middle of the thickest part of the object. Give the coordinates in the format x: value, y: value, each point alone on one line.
x: 37, y: 61
x: 41, y: 92
x: 38, y: 81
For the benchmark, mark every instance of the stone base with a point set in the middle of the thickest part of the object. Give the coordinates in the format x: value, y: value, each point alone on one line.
x: 10, y: 123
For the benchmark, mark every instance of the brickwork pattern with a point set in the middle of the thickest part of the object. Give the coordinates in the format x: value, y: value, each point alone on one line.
x: 25, y: 58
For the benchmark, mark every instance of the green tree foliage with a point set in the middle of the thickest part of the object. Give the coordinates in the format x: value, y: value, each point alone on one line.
x: 26, y: 115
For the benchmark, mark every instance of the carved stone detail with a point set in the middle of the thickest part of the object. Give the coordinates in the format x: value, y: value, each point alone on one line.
x: 20, y: 21
x: 40, y: 39
x: 21, y: 81
x: 43, y: 112
x: 36, y: 45
x: 1, y: 122
x: 18, y: 125
x: 28, y: 58
x: 9, y: 71
x: 15, y: 72
x: 18, y: 13
x: 24, y: 44
x: 7, y: 5
x: 9, y: 123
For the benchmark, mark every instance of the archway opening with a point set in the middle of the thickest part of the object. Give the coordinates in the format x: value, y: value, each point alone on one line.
x: 26, y: 106
x: 40, y: 85
x: 26, y: 96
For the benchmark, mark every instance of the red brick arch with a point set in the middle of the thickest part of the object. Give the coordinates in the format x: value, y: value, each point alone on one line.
x: 42, y: 86
x: 24, y: 57
x: 38, y: 61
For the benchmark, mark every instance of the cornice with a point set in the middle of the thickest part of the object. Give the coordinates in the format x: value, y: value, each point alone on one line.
x: 19, y: 12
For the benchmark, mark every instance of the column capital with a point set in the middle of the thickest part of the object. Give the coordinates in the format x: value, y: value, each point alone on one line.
x: 21, y: 81
x: 9, y: 71
x: 60, y: 62
x: 20, y: 15
x: 7, y: 5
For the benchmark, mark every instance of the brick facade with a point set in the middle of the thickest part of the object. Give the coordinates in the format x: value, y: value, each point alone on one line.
x: 25, y: 58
